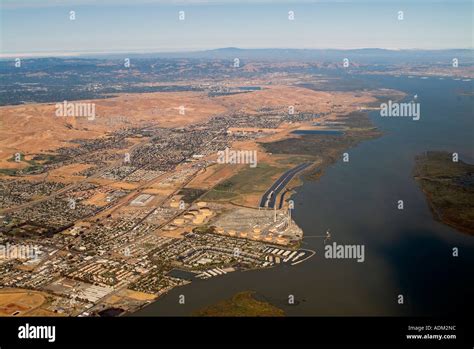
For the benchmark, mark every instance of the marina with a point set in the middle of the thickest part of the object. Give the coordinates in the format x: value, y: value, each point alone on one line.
x: 393, y: 239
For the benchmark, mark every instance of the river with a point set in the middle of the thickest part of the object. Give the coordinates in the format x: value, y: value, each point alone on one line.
x: 406, y: 251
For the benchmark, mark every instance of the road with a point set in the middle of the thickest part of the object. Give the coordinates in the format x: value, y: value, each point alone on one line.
x: 268, y: 199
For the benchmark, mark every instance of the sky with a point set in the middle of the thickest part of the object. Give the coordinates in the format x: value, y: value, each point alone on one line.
x: 32, y: 27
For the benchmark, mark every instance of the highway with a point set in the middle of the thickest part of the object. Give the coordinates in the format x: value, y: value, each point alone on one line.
x: 268, y: 199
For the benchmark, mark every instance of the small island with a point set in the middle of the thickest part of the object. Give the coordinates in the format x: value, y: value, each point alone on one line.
x: 449, y: 189
x: 241, y: 304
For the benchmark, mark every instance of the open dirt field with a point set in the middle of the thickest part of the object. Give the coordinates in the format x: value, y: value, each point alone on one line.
x: 213, y: 175
x: 35, y: 128
x: 18, y: 302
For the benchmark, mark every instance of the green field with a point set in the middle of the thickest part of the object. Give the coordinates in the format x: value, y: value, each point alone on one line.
x: 190, y: 194
x: 247, y: 181
x: 449, y: 188
x: 33, y: 167
x: 242, y: 304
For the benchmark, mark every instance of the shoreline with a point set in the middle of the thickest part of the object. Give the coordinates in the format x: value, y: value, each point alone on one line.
x: 297, y: 182
x: 447, y: 188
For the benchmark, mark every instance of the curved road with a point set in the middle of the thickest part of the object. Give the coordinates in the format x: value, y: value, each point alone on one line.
x: 268, y: 199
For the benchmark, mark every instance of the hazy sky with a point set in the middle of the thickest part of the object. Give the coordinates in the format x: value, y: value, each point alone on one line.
x: 33, y: 26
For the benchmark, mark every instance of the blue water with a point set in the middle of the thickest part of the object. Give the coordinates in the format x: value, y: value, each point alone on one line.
x: 406, y: 252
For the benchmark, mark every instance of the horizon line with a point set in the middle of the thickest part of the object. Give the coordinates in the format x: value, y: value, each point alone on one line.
x: 67, y: 54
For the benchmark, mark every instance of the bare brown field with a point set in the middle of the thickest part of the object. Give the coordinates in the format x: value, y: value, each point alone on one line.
x: 250, y: 200
x: 98, y: 199
x: 140, y: 296
x: 34, y: 128
x: 157, y: 190
x: 123, y: 297
x: 21, y: 302
x: 212, y: 176
x: 175, y: 234
x: 281, y: 97
x: 43, y: 312
x: 68, y: 173
x: 121, y: 185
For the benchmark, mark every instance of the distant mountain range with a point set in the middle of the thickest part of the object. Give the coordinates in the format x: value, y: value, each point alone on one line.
x: 365, y: 55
